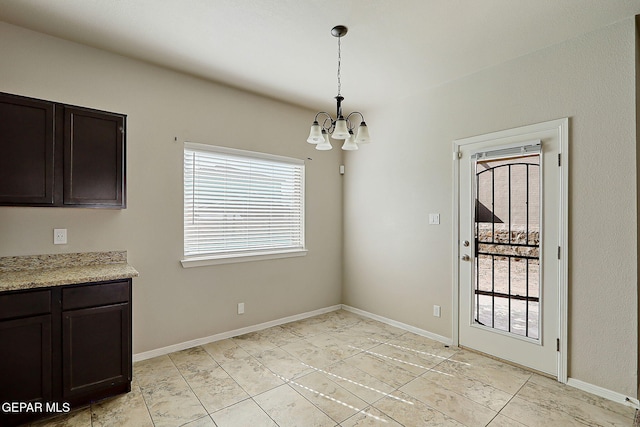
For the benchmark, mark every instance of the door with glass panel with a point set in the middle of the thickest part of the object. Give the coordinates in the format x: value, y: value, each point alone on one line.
x: 509, y: 238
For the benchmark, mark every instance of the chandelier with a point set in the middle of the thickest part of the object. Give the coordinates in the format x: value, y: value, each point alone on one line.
x: 342, y: 127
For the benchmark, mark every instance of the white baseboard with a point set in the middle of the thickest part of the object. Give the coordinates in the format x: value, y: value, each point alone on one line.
x: 603, y: 392
x: 230, y: 334
x: 409, y: 328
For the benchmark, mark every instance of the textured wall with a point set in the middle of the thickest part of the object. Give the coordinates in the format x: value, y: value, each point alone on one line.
x: 172, y: 304
x: 398, y: 266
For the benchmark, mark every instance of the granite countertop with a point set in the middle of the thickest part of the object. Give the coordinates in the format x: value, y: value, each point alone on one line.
x: 39, y: 271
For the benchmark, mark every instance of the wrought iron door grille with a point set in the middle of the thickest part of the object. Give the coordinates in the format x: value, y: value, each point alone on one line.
x: 507, y: 245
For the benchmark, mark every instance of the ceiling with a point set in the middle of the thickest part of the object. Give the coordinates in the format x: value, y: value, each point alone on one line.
x: 283, y: 48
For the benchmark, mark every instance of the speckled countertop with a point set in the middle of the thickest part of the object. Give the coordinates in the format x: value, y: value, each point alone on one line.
x: 39, y: 271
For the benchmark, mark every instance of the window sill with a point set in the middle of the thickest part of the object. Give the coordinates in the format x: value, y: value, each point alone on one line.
x: 246, y: 257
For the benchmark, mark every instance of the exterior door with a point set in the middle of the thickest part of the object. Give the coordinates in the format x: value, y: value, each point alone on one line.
x: 511, y: 233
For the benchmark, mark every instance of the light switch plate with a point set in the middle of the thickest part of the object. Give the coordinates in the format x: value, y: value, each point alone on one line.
x: 59, y: 236
x: 436, y: 311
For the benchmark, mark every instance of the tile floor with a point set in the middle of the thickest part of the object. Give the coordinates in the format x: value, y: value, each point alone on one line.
x: 340, y: 369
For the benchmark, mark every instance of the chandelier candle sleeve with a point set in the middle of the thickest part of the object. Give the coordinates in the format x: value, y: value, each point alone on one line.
x: 342, y: 127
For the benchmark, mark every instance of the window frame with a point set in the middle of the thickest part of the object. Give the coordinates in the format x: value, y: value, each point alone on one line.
x: 250, y: 254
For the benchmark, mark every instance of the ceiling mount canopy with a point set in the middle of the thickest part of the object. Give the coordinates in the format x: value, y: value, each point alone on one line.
x: 342, y: 127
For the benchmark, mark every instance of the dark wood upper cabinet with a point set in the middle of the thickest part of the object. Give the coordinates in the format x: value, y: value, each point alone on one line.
x: 93, y: 158
x: 26, y: 151
x: 53, y: 154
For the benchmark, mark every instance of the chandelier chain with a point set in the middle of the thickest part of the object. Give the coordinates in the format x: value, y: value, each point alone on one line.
x: 339, y: 63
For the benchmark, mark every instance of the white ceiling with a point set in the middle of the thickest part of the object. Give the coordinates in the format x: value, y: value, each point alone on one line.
x: 284, y: 49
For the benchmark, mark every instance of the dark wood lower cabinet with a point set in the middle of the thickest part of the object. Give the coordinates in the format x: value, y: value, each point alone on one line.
x: 77, y: 352
x: 25, y: 364
x: 95, y: 350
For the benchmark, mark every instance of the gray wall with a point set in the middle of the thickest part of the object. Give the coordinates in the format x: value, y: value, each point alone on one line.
x: 172, y: 304
x: 398, y: 266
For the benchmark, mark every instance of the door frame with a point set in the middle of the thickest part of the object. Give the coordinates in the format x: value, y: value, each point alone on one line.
x: 561, y: 127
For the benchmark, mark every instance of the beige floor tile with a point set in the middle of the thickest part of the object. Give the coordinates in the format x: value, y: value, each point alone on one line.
x: 289, y: 409
x: 225, y: 350
x: 251, y: 375
x: 336, y: 347
x: 306, y: 328
x: 502, y: 421
x: 245, y: 413
x: 370, y: 417
x: 375, y: 330
x: 282, y: 363
x: 381, y: 369
x: 278, y: 335
x: 201, y: 422
x: 77, y: 418
x: 338, y: 320
x: 475, y: 390
x: 415, y: 363
x: 172, y: 402
x: 489, y: 371
x: 414, y: 343
x: 360, y: 383
x: 579, y: 409
x: 194, y: 359
x: 216, y: 389
x: 124, y: 410
x: 310, y: 354
x: 328, y: 396
x: 412, y: 412
x: 454, y: 405
x: 211, y: 384
x: 533, y: 415
x: 554, y: 387
x: 341, y: 316
x: 254, y: 343
x: 357, y: 340
x: 150, y: 371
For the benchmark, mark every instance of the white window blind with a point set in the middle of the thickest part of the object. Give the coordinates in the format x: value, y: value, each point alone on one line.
x: 239, y: 203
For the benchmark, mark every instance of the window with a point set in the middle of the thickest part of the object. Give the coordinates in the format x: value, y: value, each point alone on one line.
x: 241, y: 205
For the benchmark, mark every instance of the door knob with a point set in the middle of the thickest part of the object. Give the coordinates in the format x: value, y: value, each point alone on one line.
x: 466, y: 258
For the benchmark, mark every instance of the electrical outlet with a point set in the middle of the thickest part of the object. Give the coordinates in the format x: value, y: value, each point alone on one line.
x: 59, y: 236
x: 434, y: 219
x: 240, y: 308
x: 436, y: 311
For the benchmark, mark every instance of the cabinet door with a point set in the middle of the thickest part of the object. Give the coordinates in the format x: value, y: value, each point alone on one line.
x: 25, y: 359
x: 94, y: 161
x: 26, y: 151
x: 96, y: 350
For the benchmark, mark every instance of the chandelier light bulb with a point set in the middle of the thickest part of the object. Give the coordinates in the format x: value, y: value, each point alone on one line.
x: 363, y: 134
x: 315, y: 136
x: 350, y: 143
x: 341, y: 130
x: 325, y: 145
